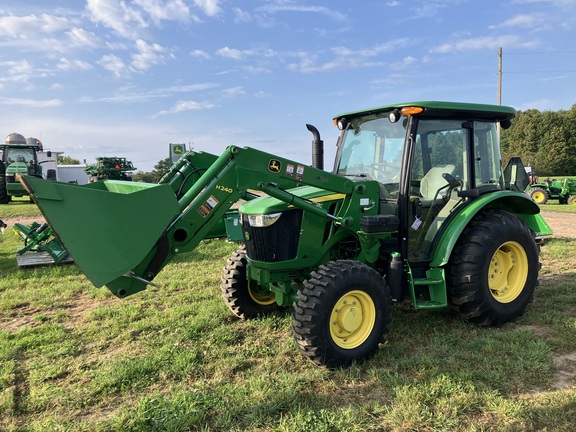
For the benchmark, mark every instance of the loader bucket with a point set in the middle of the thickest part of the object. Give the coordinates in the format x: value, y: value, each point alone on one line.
x: 108, y: 227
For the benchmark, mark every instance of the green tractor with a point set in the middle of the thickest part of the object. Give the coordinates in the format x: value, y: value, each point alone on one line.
x: 563, y: 190
x: 416, y: 209
x: 110, y: 168
x: 19, y: 156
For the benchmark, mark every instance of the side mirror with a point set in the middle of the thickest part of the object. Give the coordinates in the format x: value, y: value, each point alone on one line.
x: 49, y: 153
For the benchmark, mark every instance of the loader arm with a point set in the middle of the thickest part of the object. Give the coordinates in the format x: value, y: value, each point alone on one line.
x: 121, y: 234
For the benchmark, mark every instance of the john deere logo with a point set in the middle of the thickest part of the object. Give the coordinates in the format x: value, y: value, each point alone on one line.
x: 178, y: 149
x: 274, y: 165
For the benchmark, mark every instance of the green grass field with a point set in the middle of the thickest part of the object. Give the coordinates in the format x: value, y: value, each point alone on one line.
x: 173, y: 358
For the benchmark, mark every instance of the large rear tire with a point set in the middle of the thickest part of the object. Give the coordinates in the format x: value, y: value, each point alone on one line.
x: 242, y: 296
x: 493, y: 269
x: 342, y: 313
x: 4, y: 198
x: 539, y: 195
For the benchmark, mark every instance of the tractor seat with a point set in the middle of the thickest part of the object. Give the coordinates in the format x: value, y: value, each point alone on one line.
x: 432, y: 182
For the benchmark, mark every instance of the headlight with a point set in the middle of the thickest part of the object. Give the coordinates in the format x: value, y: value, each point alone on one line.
x: 264, y: 220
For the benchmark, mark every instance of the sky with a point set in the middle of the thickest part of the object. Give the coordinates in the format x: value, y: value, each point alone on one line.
x: 127, y: 77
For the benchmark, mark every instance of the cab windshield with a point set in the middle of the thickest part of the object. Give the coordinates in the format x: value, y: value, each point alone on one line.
x: 372, y: 148
x: 23, y: 155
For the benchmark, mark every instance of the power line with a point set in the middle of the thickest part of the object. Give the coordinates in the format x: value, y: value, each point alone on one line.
x: 540, y: 52
x: 542, y: 71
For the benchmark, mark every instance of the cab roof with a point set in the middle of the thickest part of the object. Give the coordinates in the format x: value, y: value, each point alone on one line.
x: 444, y: 109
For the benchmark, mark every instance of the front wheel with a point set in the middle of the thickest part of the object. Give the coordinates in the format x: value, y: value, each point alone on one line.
x: 342, y: 313
x: 539, y: 195
x: 571, y: 200
x: 493, y: 269
x: 245, y: 298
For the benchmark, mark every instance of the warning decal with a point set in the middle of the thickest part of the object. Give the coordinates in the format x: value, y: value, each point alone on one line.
x: 207, y: 207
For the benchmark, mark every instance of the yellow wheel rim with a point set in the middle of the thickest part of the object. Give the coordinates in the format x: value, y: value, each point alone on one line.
x: 260, y: 298
x: 508, y: 272
x: 352, y: 319
x: 538, y: 197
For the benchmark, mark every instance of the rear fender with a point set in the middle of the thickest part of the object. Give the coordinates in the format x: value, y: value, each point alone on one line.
x: 516, y: 203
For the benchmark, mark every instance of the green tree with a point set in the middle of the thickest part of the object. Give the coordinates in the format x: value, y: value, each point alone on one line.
x: 160, y: 169
x: 141, y: 176
x: 546, y: 141
x: 67, y: 160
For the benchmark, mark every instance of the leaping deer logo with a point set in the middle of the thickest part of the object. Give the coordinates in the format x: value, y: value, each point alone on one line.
x: 274, y: 165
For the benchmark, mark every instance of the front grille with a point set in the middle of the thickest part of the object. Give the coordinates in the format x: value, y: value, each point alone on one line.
x: 278, y: 242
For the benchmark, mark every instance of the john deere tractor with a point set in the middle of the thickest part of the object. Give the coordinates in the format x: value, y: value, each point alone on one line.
x: 416, y: 209
x: 563, y: 190
x: 19, y: 156
x: 110, y: 168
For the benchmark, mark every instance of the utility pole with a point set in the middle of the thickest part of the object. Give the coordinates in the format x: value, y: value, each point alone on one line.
x: 500, y: 76
x: 498, y: 131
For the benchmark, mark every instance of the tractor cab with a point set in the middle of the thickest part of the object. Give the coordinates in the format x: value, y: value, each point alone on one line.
x: 429, y: 164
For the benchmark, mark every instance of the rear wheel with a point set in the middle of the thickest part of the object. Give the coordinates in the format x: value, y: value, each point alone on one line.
x: 572, y: 200
x: 245, y: 298
x: 539, y: 195
x: 493, y: 269
x: 4, y: 199
x: 342, y: 313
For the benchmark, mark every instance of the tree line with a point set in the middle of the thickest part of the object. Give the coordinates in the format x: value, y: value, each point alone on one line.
x: 545, y: 140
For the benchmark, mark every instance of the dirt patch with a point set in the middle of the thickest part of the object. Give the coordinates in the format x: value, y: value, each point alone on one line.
x: 562, y: 224
x: 564, y: 370
x: 23, y: 220
x: 27, y: 315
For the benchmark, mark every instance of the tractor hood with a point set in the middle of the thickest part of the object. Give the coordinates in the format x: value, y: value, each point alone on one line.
x: 267, y: 204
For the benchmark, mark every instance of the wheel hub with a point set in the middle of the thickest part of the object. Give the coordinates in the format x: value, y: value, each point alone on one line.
x: 508, y: 272
x: 263, y: 299
x: 538, y: 197
x: 352, y: 319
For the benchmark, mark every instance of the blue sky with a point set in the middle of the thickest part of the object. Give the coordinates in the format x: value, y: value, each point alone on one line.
x: 126, y: 77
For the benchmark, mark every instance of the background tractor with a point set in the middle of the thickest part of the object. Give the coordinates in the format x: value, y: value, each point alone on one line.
x: 416, y: 209
x: 110, y: 168
x: 563, y: 190
x: 19, y: 156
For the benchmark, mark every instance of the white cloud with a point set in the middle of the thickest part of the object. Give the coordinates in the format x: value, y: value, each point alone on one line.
x: 82, y: 38
x: 113, y: 64
x: 485, y: 43
x: 346, y: 58
x: 124, y: 20
x: 20, y: 67
x: 524, y: 21
x: 148, y: 55
x: 70, y: 65
x: 404, y: 63
x: 32, y: 25
x: 235, y: 54
x: 209, y: 7
x: 187, y: 105
x: 45, y: 33
x: 33, y: 103
x: 257, y: 70
x: 200, y: 54
x: 284, y: 7
x: 164, y: 10
x: 233, y: 92
x: 241, y: 16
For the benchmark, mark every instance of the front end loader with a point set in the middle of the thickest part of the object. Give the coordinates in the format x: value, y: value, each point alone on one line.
x: 417, y: 208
